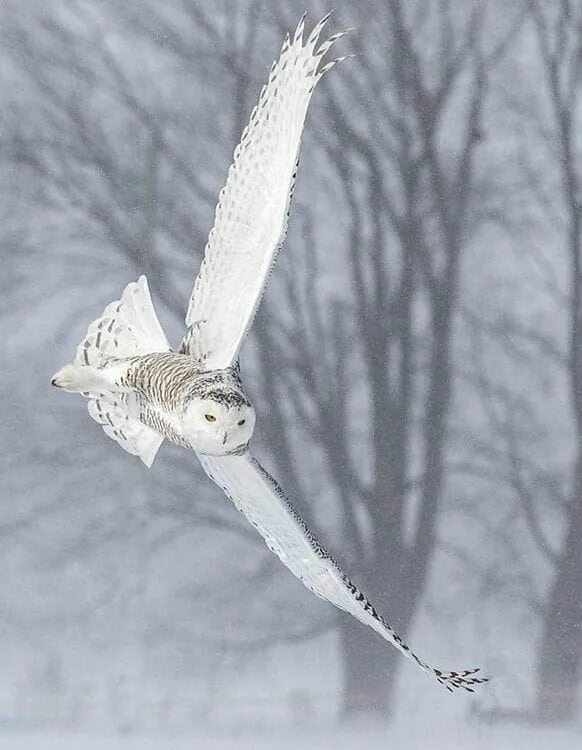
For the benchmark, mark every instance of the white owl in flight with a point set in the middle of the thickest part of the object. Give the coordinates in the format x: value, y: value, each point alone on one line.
x: 141, y: 391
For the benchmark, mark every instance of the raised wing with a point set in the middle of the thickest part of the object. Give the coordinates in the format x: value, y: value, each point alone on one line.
x: 253, y: 207
x: 256, y: 494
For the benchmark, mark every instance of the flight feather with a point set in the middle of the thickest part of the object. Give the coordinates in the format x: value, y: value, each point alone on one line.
x: 257, y: 495
x: 253, y: 207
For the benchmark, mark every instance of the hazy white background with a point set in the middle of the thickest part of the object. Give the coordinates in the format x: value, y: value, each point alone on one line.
x: 415, y: 366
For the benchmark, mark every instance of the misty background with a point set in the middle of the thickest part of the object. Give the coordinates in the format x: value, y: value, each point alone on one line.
x: 416, y: 366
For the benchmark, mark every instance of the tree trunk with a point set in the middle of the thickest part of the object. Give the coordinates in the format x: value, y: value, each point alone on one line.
x: 560, y: 652
x: 370, y: 668
x: 371, y: 665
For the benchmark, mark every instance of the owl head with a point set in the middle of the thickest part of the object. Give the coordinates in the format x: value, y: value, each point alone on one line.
x: 220, y: 423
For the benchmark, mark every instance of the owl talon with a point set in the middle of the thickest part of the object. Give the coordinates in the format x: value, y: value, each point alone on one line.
x: 74, y: 378
x: 67, y: 378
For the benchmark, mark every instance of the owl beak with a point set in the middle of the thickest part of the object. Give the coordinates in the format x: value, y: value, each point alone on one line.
x: 224, y: 438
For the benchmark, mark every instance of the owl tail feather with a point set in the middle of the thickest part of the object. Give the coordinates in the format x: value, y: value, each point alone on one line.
x: 128, y: 327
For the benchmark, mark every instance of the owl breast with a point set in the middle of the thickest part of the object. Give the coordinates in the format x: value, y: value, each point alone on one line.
x: 207, y: 411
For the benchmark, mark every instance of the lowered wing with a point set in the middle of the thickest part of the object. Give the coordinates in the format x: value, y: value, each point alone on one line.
x: 256, y: 494
x: 251, y: 216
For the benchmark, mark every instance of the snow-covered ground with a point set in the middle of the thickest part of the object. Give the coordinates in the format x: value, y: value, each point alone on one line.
x: 400, y: 736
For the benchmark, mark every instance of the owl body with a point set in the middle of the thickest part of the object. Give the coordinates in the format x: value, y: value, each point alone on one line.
x: 171, y: 394
x: 195, y: 408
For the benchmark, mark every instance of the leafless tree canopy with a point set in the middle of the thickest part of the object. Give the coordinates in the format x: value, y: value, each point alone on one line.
x: 416, y: 362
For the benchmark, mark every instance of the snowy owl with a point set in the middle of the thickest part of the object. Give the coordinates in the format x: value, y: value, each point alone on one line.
x: 141, y: 391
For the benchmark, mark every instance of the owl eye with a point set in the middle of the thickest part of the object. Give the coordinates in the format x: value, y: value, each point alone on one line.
x: 241, y: 422
x: 210, y: 417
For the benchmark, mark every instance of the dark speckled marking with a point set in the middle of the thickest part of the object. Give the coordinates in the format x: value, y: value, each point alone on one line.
x: 451, y: 680
x: 164, y: 383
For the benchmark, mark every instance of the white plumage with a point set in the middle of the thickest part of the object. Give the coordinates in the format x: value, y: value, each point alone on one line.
x: 257, y: 495
x: 251, y: 215
x: 141, y: 392
x: 128, y: 327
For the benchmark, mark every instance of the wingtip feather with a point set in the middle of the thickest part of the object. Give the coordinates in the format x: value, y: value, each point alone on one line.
x: 316, y: 31
x: 462, y: 680
x: 298, y: 35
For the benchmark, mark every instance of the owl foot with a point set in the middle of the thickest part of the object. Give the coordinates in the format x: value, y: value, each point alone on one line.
x: 75, y: 378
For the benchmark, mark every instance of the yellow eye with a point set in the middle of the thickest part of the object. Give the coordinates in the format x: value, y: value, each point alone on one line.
x: 241, y: 422
x: 210, y: 417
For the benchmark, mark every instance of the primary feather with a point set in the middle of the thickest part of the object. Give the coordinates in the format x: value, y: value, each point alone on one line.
x: 253, y: 207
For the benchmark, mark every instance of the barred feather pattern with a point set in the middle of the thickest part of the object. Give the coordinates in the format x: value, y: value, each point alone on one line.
x: 253, y: 207
x: 171, y: 380
x: 112, y: 412
x: 129, y: 326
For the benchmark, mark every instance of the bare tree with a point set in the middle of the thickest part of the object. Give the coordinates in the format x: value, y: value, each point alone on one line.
x: 121, y: 181
x: 547, y: 483
x: 410, y: 206
x: 364, y: 371
x: 560, y: 653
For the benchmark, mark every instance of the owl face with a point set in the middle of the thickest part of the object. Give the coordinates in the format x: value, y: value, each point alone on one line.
x: 217, y: 427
